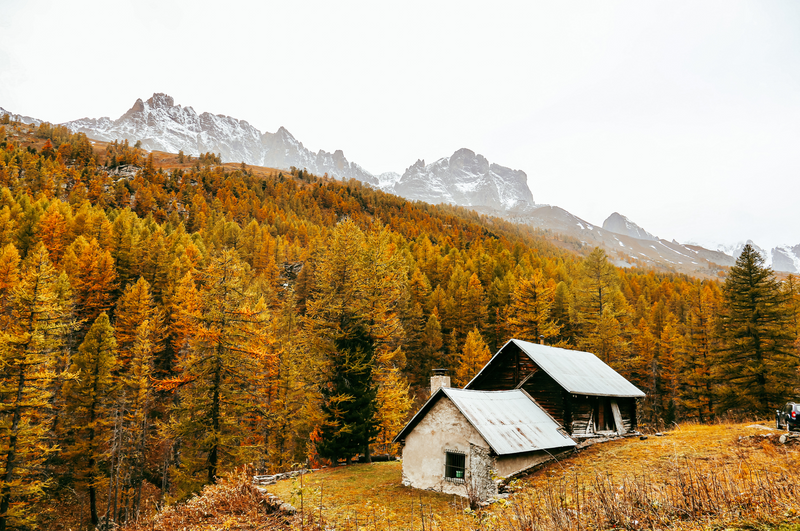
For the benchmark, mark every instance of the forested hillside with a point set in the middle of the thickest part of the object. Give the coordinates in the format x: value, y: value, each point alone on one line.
x: 165, y: 319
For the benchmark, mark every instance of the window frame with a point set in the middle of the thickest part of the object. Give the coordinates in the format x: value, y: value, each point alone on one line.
x: 452, y: 458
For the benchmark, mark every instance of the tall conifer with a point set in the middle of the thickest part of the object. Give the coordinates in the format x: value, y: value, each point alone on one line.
x: 473, y: 357
x: 135, y: 306
x: 93, y: 281
x: 218, y: 371
x: 28, y: 341
x: 530, y: 313
x: 600, y: 305
x: 90, y: 402
x: 352, y: 320
x: 756, y: 360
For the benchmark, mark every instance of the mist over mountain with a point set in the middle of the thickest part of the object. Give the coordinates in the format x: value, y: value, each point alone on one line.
x: 620, y: 224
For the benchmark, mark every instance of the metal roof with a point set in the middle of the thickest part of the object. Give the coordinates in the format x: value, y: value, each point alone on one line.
x: 576, y: 371
x: 509, y: 421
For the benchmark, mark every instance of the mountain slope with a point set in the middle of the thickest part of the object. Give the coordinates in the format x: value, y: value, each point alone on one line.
x: 464, y: 179
x: 19, y: 117
x: 620, y: 224
x: 786, y: 258
x: 623, y: 249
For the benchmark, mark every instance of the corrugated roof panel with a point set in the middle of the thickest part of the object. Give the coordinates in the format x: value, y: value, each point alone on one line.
x: 510, y: 421
x: 579, y: 372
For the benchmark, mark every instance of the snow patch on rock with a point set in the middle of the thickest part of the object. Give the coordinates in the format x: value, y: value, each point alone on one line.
x: 464, y: 179
x: 620, y: 224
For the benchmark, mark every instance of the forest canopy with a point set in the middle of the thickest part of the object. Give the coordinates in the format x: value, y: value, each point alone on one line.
x: 166, y: 321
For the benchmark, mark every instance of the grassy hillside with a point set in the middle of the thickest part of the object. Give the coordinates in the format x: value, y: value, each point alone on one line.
x: 724, y: 476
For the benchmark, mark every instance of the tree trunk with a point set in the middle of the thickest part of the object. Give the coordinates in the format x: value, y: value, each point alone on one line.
x: 213, y: 453
x: 5, y: 495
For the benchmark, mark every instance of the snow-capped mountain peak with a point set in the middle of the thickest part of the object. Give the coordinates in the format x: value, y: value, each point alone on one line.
x: 620, y: 224
x: 786, y: 258
x: 463, y: 178
x: 466, y: 179
x: 161, y: 100
x: 19, y: 117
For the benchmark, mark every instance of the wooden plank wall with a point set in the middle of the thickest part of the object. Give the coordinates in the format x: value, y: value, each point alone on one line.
x: 582, y: 413
x: 574, y: 413
x: 627, y: 406
x: 511, y: 366
x: 586, y: 409
x: 547, y: 394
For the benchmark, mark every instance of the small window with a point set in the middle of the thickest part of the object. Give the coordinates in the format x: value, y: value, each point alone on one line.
x: 454, y: 466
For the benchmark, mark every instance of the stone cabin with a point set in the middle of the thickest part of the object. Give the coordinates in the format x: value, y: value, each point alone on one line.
x: 576, y: 388
x: 461, y: 440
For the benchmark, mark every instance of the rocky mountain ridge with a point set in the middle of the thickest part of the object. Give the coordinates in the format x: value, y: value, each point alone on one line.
x: 19, y: 117
x: 628, y: 244
x: 465, y: 179
x: 620, y: 224
x: 159, y: 124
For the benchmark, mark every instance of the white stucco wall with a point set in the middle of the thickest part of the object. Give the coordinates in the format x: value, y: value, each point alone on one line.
x: 443, y: 428
x: 505, y: 466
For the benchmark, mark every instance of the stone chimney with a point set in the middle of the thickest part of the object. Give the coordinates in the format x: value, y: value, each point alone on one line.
x: 439, y: 379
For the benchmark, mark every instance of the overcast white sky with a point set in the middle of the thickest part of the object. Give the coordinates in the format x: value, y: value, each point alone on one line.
x: 683, y: 116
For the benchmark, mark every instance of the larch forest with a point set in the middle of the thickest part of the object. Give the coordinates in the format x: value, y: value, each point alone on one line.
x: 163, y: 325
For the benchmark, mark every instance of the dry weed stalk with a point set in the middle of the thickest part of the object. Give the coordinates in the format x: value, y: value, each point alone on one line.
x: 233, y: 503
x: 686, y: 493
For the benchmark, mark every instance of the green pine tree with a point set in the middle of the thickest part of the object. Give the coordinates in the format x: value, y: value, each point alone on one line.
x: 352, y: 318
x: 349, y: 396
x: 756, y: 361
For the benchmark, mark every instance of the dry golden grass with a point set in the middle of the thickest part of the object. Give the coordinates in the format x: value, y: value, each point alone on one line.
x: 370, y: 497
x: 694, y: 477
x: 720, y: 477
x: 725, y: 476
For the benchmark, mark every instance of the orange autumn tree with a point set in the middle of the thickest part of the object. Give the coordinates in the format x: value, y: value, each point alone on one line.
x: 54, y: 229
x: 135, y: 306
x: 9, y: 276
x: 90, y: 401
x: 531, y: 309
x: 135, y: 426
x: 218, y: 373
x: 473, y: 357
x: 33, y: 333
x: 93, y: 279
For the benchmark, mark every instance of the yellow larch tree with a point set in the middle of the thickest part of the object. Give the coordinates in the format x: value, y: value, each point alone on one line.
x: 531, y: 307
x: 33, y: 333
x: 473, y: 357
